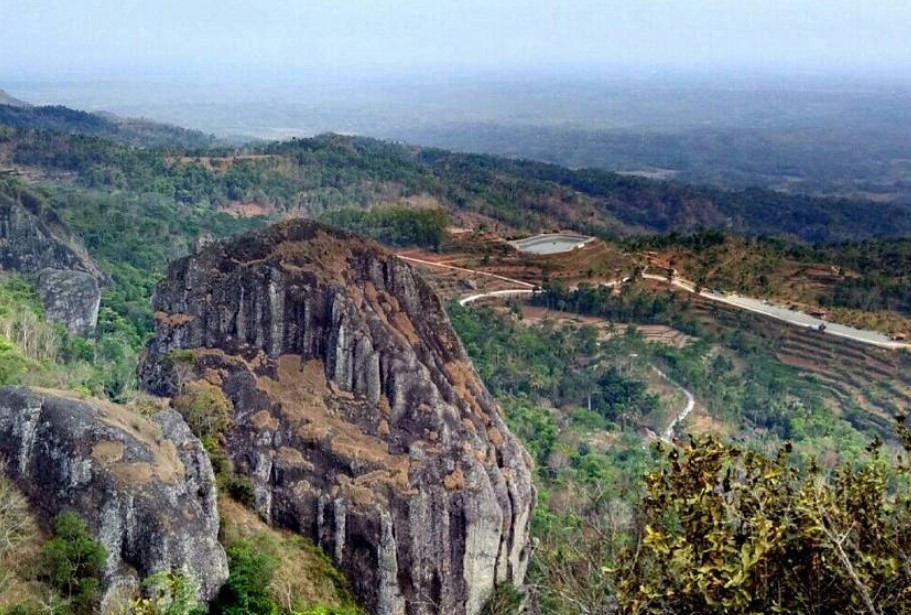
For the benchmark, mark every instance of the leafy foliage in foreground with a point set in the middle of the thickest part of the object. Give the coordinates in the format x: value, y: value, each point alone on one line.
x: 725, y: 530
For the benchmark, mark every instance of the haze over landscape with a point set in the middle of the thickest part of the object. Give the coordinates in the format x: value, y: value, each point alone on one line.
x: 398, y: 307
x: 703, y: 91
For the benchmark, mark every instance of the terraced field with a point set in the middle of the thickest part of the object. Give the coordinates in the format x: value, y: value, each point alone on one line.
x: 857, y: 376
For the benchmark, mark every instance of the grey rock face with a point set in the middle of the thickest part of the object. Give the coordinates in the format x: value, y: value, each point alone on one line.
x: 356, y: 413
x: 145, y: 487
x: 35, y: 241
x: 70, y: 297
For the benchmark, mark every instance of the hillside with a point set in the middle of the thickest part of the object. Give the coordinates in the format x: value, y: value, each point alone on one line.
x: 309, y: 176
x: 17, y: 114
x: 864, y: 283
x: 9, y: 101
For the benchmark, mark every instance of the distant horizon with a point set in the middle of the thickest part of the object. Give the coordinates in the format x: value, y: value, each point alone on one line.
x: 253, y: 86
x: 602, y: 72
x: 57, y: 40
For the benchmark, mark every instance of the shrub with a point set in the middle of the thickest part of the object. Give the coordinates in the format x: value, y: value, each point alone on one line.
x: 505, y: 600
x: 168, y: 593
x: 17, y: 532
x: 241, y: 489
x: 205, y: 408
x: 72, y: 562
x: 731, y: 531
x: 12, y: 363
x: 246, y: 592
x: 220, y: 464
x: 15, y: 523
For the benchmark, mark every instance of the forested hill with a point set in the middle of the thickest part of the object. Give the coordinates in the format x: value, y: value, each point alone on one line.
x: 330, y: 172
x: 6, y: 99
x: 16, y: 114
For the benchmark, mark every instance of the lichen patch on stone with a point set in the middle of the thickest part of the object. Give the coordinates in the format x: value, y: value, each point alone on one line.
x: 107, y: 452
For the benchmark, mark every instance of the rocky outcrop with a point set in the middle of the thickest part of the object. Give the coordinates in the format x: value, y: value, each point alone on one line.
x: 36, y: 242
x: 70, y: 297
x: 145, y: 486
x: 356, y: 412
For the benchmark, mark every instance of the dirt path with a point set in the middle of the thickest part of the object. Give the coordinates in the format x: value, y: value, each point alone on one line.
x: 668, y: 434
x: 418, y: 261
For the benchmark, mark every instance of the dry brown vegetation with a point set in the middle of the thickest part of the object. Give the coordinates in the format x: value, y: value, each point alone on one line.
x: 302, y: 391
x: 20, y: 544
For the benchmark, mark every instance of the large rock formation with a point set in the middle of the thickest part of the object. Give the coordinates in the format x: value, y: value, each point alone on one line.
x: 356, y: 412
x: 145, y: 486
x: 36, y: 242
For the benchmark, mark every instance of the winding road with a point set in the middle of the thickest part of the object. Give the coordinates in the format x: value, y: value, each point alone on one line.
x: 792, y: 317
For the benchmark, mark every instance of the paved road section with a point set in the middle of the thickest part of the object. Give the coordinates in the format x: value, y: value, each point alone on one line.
x: 793, y: 317
x: 496, y: 293
x: 757, y: 306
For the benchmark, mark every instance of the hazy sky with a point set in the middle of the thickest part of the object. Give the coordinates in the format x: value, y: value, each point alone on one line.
x: 56, y: 39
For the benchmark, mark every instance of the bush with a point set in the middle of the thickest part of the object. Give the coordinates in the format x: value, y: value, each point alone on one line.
x: 505, y: 600
x: 731, y: 531
x: 246, y: 592
x: 18, y: 532
x: 241, y: 489
x: 205, y: 408
x: 12, y: 364
x: 15, y: 525
x: 219, y: 460
x: 72, y: 562
x: 168, y: 593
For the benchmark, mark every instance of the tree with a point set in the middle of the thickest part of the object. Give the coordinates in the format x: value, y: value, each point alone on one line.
x: 205, y: 408
x: 246, y: 592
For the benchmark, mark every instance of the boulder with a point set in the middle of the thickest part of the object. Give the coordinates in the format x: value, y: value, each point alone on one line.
x: 34, y: 241
x: 144, y: 486
x: 70, y: 297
